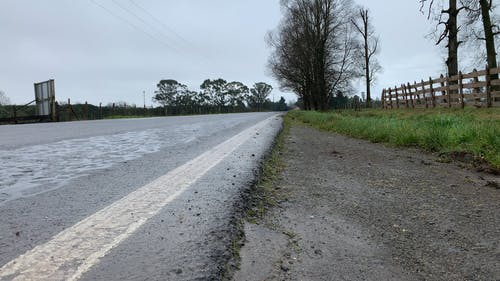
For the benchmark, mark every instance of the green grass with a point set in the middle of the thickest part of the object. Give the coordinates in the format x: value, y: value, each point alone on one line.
x: 474, y: 131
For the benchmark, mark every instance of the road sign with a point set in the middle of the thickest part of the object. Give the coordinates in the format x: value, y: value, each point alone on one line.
x: 45, y: 98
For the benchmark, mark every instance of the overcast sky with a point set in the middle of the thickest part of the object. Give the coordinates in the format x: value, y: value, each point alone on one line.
x: 113, y: 50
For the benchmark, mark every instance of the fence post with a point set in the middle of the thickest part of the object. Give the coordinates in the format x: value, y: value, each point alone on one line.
x: 405, y: 94
x: 417, y: 95
x: 476, y: 90
x: 423, y: 94
x: 461, y: 89
x: 397, y: 97
x: 390, y: 98
x: 488, y: 87
x: 448, y: 91
x: 408, y: 94
x: 383, y: 98
x: 53, y: 108
x: 433, y: 94
x: 443, y: 92
x: 58, y: 111
x: 411, y: 95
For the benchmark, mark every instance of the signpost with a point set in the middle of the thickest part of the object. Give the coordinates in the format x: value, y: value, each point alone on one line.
x: 45, y: 99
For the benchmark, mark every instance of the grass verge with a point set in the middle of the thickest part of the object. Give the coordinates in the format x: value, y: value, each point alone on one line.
x: 264, y: 196
x: 469, y: 133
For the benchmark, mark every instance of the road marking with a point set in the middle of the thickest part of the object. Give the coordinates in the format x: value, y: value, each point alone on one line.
x: 69, y: 254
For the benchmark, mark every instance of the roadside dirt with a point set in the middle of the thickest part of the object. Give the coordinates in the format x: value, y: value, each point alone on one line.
x: 353, y: 210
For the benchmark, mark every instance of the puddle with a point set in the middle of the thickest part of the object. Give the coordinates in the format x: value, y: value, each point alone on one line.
x: 39, y: 168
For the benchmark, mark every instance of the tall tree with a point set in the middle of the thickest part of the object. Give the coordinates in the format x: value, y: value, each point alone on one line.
x: 216, y: 91
x: 489, y: 34
x: 167, y: 92
x: 448, y: 18
x: 260, y: 92
x: 236, y: 92
x: 282, y: 105
x: 313, y: 49
x: 480, y: 11
x: 369, y: 48
x: 185, y: 99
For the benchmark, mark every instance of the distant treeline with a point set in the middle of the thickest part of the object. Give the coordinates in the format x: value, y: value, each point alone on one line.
x: 215, y: 96
x: 342, y: 101
x: 174, y: 98
x: 83, y: 111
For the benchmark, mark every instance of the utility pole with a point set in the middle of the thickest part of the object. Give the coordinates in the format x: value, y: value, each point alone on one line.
x: 144, y: 97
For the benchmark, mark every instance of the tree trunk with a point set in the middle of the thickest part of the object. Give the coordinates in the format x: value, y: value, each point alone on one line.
x: 367, y: 66
x: 489, y: 36
x: 365, y: 34
x: 452, y: 61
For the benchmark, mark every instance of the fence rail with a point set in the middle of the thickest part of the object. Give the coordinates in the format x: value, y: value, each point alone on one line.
x: 476, y: 88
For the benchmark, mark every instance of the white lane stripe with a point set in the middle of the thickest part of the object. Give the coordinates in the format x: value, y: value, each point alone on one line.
x: 69, y: 254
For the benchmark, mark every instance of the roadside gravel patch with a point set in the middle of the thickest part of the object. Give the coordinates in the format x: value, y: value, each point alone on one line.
x: 354, y: 210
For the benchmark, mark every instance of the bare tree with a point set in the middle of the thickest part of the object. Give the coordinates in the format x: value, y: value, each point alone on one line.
x: 479, y: 13
x: 490, y: 30
x: 489, y: 34
x: 477, y: 25
x: 448, y: 18
x: 369, y: 48
x: 313, y: 49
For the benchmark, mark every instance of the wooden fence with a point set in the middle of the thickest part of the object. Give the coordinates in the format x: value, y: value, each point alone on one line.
x: 473, y: 89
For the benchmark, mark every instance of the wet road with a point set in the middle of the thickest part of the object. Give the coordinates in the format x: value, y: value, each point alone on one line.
x: 145, y: 199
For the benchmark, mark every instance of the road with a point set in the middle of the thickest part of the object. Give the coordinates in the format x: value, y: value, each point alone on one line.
x: 142, y: 199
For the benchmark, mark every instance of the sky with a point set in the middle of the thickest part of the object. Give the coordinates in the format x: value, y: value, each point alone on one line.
x: 117, y: 50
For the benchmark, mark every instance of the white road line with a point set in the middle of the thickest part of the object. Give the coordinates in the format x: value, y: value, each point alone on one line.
x: 69, y: 254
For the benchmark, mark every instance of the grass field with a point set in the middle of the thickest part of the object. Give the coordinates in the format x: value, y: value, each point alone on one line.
x: 471, y: 131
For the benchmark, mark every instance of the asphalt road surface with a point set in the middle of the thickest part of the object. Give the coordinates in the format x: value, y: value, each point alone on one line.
x: 143, y: 199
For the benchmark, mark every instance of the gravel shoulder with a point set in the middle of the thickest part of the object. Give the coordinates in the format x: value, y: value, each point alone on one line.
x: 353, y: 210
